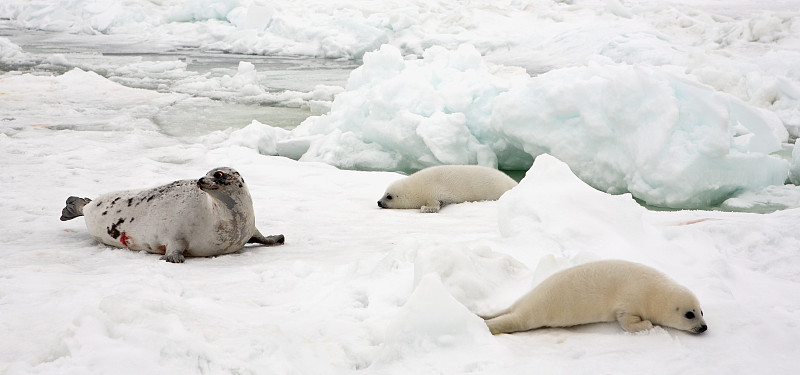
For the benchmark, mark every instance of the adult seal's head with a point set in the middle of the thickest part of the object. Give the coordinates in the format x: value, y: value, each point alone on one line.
x: 223, y: 178
x: 225, y: 184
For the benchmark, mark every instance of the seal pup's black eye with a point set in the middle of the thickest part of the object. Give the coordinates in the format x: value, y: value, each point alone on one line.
x: 219, y: 174
x: 689, y: 315
x: 389, y: 197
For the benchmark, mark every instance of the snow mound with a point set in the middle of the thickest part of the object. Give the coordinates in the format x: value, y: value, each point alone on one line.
x: 398, y: 114
x: 667, y: 140
x: 475, y: 277
x: 200, y: 10
x: 255, y: 136
x: 432, y: 318
x: 11, y: 53
x: 555, y: 209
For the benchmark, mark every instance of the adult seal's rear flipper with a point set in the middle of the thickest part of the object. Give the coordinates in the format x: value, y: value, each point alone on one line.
x: 273, y: 240
x: 74, y: 208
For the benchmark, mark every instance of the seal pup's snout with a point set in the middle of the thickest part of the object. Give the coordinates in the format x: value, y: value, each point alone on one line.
x: 381, y: 205
x: 700, y: 329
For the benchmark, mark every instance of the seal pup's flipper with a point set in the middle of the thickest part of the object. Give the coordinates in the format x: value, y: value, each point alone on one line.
x: 431, y: 207
x: 74, y: 208
x: 273, y: 240
x: 496, y: 314
x: 507, y: 323
x: 633, y: 323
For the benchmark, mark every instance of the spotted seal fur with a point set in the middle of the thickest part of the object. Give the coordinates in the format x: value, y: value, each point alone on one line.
x: 206, y: 217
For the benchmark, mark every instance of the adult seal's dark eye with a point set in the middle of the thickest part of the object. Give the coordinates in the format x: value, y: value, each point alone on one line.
x: 689, y: 315
x: 219, y: 174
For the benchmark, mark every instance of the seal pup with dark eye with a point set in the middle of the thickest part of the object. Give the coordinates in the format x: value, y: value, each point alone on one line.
x: 206, y: 217
x: 433, y: 187
x: 634, y: 295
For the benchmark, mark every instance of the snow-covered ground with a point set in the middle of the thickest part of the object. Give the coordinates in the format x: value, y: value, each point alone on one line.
x: 679, y: 103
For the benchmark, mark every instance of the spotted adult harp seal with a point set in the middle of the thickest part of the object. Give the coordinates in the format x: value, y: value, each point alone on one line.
x: 200, y: 218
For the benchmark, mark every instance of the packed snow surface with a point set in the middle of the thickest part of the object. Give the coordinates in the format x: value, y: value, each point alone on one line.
x: 604, y: 104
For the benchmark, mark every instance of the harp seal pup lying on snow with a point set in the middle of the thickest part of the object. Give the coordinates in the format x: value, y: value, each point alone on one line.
x: 434, y: 187
x: 206, y: 217
x: 632, y: 294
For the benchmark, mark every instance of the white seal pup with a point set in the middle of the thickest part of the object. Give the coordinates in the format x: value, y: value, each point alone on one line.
x: 632, y: 294
x: 206, y: 217
x: 431, y: 188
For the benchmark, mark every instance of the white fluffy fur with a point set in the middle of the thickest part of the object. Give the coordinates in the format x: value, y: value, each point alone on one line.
x: 632, y: 294
x: 431, y: 188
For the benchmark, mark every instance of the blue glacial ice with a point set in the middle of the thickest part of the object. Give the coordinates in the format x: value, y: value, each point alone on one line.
x: 650, y: 131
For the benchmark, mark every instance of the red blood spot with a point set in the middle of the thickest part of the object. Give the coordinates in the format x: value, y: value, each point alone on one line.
x: 695, y: 221
x: 126, y: 241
